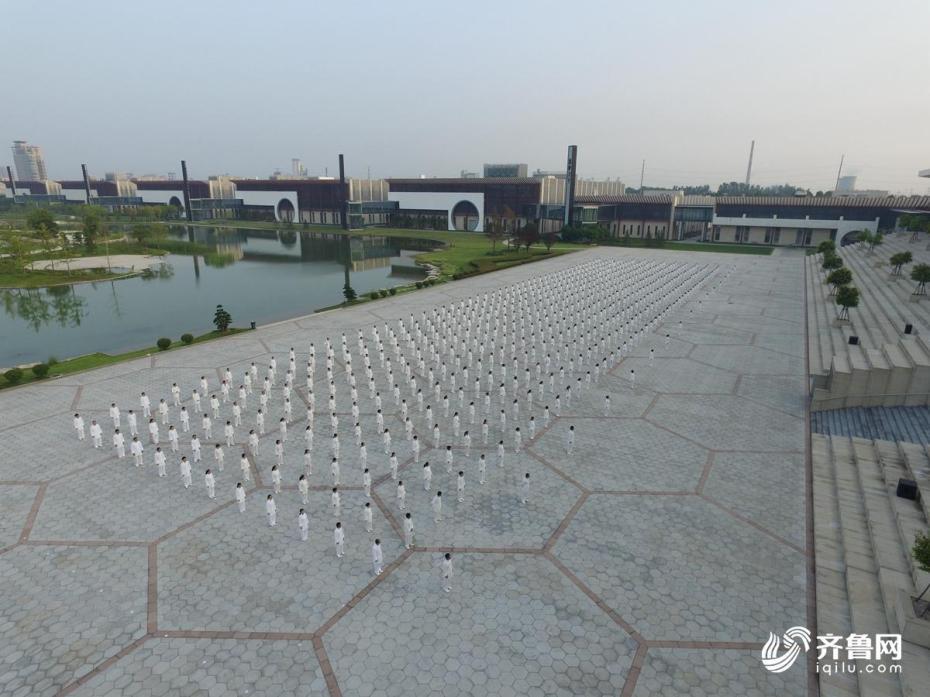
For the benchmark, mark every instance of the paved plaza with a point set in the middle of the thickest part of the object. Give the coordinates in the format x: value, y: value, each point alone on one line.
x: 655, y: 559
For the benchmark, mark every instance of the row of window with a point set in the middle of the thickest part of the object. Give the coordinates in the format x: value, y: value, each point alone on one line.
x: 638, y: 229
x: 773, y: 235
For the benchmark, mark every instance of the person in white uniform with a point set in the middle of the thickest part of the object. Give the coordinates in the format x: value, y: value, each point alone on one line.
x: 271, y: 509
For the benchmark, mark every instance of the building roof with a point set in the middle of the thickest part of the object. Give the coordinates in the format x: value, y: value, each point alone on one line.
x: 608, y: 199
x: 693, y: 200
x: 441, y: 181
x: 830, y: 201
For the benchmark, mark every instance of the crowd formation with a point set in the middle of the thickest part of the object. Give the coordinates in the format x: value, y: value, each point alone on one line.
x: 489, y: 372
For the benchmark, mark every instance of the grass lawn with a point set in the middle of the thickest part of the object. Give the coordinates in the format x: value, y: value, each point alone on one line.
x: 98, y: 360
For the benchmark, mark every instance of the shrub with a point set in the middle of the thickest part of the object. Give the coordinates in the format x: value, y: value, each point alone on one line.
x: 13, y: 375
x: 40, y: 370
x: 187, y: 338
x: 163, y: 344
x: 392, y: 291
x: 373, y: 295
x: 383, y: 293
x: 419, y: 284
x: 51, y: 361
x: 826, y: 247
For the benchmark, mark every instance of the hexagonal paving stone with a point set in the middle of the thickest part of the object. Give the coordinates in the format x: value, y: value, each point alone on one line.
x: 785, y: 392
x: 712, y: 335
x: 254, y: 667
x: 624, y: 399
x: 45, y: 449
x: 492, y: 514
x: 679, y: 568
x: 15, y: 503
x: 211, y: 355
x: 728, y: 423
x: 125, y: 389
x: 623, y: 455
x: 27, y: 404
x: 714, y: 673
x: 792, y: 343
x: 232, y: 571
x: 679, y: 375
x: 61, y: 613
x: 750, y: 359
x: 512, y: 625
x: 118, y: 501
x: 766, y: 488
x: 679, y: 344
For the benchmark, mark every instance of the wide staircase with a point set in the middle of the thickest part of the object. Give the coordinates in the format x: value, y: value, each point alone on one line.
x: 865, y: 573
x: 888, y: 367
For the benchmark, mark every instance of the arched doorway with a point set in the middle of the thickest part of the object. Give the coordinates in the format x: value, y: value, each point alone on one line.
x: 465, y: 216
x: 285, y: 210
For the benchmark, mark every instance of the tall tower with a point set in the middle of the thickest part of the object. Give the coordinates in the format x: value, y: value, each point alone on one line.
x: 571, y: 170
x: 30, y: 165
x: 752, y: 147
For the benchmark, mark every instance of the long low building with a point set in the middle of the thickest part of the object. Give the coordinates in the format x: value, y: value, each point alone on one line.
x: 505, y: 204
x: 782, y: 221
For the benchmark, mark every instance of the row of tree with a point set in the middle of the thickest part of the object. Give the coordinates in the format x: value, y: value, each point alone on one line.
x: 840, y: 277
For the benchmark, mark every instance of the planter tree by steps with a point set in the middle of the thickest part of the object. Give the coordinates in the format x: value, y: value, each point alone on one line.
x: 839, y: 277
x: 921, y: 553
x: 898, y: 260
x: 847, y: 297
x: 831, y: 262
x: 921, y: 274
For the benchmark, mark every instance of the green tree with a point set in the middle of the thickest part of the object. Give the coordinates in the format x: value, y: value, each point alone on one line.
x: 494, y: 233
x: 549, y: 239
x: 921, y: 274
x: 831, y: 262
x: 921, y: 553
x: 899, y: 260
x: 876, y: 241
x: 528, y: 235
x: 91, y: 226
x: 49, y: 241
x: 864, y: 237
x: 847, y: 297
x: 222, y: 319
x: 41, y: 218
x: 839, y: 277
x: 826, y: 246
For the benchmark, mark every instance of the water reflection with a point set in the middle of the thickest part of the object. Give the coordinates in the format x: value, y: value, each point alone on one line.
x: 258, y: 275
x: 43, y: 306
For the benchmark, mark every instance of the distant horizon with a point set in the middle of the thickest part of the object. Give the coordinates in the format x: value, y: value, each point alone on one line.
x: 415, y: 88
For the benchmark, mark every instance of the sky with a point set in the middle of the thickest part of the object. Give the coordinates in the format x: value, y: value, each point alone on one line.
x: 432, y: 88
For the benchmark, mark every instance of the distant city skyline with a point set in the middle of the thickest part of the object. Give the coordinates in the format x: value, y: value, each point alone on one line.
x: 684, y: 86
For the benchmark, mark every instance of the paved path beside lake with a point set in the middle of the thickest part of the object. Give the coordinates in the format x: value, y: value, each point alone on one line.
x: 655, y: 561
x: 133, y: 262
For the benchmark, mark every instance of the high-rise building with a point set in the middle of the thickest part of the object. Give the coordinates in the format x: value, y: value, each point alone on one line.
x: 30, y: 165
x: 505, y: 170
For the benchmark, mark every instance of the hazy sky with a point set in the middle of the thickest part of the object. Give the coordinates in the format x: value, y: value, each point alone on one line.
x: 409, y: 88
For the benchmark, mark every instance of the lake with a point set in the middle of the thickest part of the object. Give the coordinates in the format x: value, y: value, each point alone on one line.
x: 257, y: 275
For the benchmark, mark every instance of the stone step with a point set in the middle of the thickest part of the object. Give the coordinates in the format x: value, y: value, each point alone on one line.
x: 918, y: 466
x: 901, y: 372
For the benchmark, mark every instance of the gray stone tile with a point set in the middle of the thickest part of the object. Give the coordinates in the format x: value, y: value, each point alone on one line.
x: 511, y: 625
x: 678, y: 568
